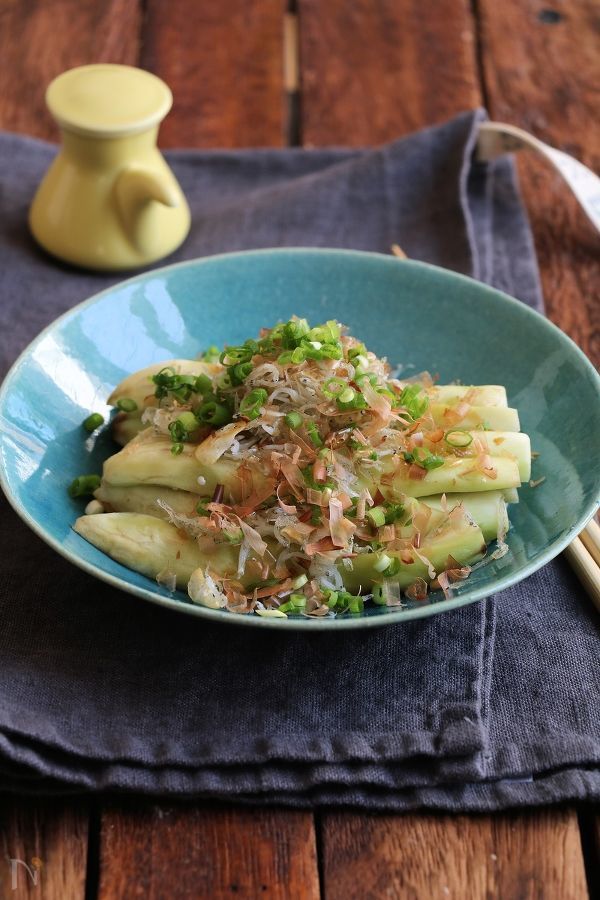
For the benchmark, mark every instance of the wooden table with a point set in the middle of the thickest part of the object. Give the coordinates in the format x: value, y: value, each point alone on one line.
x: 321, y: 72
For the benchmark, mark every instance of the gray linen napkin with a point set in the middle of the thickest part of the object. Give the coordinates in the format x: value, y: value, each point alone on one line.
x: 482, y: 707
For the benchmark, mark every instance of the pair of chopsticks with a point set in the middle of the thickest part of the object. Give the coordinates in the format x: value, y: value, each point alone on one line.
x: 583, y: 554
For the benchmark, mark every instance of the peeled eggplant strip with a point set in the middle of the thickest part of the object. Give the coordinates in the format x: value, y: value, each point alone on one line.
x: 459, y: 537
x: 477, y: 395
x: 488, y: 510
x: 148, y: 460
x: 143, y: 498
x: 150, y: 546
x: 455, y: 476
x: 498, y: 418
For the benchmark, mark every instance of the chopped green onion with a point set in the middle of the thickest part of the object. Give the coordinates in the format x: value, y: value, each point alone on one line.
x: 330, y: 351
x: 167, y: 382
x: 315, y: 516
x: 295, y: 604
x: 293, y: 420
x: 357, y: 402
x: 313, y: 433
x: 188, y: 421
x: 458, y: 438
x: 325, y: 334
x: 182, y: 426
x: 211, y: 355
x: 424, y: 458
x: 382, y: 563
x: 347, y: 396
x: 378, y: 597
x: 252, y: 404
x: 356, y: 605
x: 393, y: 512
x: 376, y: 516
x: 331, y: 598
x: 223, y: 381
x: 432, y: 462
x: 298, y: 356
x: 203, y: 384
x: 84, y: 485
x: 213, y: 413
x: 333, y: 387
x: 411, y: 400
x: 366, y: 376
x: 240, y: 372
x: 299, y: 582
x: 201, y: 506
x: 232, y: 356
x: 235, y: 536
x: 177, y: 449
x: 126, y: 404
x: 293, y: 332
x: 373, y: 455
x: 359, y: 350
x: 393, y: 569
x: 95, y: 420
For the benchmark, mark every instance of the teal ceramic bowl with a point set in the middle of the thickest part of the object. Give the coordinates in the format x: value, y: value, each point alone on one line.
x: 415, y: 314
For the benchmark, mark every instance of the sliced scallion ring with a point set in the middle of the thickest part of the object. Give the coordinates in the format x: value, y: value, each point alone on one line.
x: 458, y: 438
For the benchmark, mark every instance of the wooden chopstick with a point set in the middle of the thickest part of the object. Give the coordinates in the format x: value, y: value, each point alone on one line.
x: 590, y: 538
x: 583, y: 554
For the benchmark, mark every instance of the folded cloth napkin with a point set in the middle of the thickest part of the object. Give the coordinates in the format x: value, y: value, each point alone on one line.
x: 491, y: 705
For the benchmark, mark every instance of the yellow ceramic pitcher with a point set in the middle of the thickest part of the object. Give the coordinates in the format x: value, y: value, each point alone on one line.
x: 109, y: 200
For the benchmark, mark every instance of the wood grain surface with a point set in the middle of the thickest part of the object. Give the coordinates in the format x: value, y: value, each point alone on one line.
x: 371, y: 72
x: 50, y: 838
x: 542, y: 72
x: 157, y: 852
x: 529, y: 856
x: 224, y: 63
x: 39, y: 39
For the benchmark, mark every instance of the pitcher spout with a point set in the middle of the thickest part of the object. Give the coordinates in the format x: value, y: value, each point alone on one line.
x: 138, y: 190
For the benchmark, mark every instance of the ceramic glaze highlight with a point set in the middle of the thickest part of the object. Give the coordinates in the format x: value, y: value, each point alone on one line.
x: 415, y: 314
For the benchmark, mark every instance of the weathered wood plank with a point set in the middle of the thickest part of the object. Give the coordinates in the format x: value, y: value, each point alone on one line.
x: 532, y: 856
x: 541, y: 69
x: 42, y: 38
x: 371, y: 72
x: 50, y: 839
x: 180, y: 852
x: 224, y: 63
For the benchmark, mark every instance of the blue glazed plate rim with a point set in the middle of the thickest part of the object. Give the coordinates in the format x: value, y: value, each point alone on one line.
x: 390, y: 617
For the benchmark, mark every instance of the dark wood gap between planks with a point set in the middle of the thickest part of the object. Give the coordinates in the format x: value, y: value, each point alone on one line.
x: 92, y: 871
x: 478, y: 51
